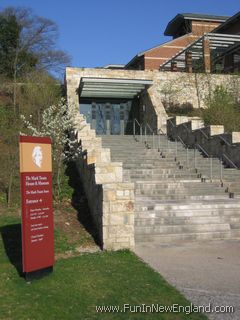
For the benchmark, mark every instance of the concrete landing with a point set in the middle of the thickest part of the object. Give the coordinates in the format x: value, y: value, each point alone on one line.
x: 206, y: 272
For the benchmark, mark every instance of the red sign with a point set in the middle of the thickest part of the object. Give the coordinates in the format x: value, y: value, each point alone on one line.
x: 37, y: 206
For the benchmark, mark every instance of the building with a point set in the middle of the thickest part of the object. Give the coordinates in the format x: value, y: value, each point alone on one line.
x: 115, y: 104
x: 216, y: 51
x: 114, y: 97
x: 231, y: 58
x: 185, y: 28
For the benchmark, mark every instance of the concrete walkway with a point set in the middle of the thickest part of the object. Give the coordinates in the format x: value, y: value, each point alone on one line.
x: 206, y: 272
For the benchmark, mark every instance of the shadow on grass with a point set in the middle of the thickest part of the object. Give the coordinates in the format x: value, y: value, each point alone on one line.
x: 12, y: 240
x: 79, y: 202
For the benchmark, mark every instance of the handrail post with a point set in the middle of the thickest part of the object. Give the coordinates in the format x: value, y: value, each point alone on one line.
x: 134, y: 128
x: 211, y: 173
x: 176, y: 149
x: 141, y: 132
x: 195, y: 159
x: 221, y: 170
x: 187, y: 156
x: 145, y: 133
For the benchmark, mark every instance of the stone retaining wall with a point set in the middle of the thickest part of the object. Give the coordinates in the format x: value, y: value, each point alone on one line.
x: 169, y: 88
x: 212, y: 138
x: 111, y: 201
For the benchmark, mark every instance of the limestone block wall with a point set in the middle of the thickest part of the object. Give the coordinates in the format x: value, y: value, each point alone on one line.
x: 168, y: 88
x: 111, y: 201
x: 193, y: 88
x: 212, y: 138
x: 155, y: 115
x: 152, y: 110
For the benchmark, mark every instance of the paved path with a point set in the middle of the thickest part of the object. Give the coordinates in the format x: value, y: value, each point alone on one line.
x: 206, y: 272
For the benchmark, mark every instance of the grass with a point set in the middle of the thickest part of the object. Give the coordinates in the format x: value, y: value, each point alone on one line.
x: 80, y: 283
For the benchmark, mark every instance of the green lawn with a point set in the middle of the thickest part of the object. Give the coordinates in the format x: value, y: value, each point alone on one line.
x: 80, y: 283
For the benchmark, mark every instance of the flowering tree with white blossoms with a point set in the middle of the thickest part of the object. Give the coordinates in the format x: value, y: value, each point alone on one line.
x: 57, y: 124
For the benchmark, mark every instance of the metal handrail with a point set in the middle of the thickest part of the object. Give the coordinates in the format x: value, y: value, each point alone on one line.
x: 198, y: 146
x: 203, y: 150
x: 181, y: 141
x: 230, y: 161
x: 211, y: 162
x: 134, y: 128
x: 186, y: 147
x: 184, y: 125
x: 173, y: 125
x: 203, y: 133
x: 161, y: 132
x: 224, y: 140
x: 147, y: 126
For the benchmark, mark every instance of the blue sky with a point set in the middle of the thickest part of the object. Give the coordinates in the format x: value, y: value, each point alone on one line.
x: 99, y: 32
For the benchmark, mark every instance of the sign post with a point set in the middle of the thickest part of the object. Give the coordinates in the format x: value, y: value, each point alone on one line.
x: 37, y: 206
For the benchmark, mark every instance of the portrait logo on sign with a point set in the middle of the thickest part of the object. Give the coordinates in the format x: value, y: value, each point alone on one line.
x: 37, y: 156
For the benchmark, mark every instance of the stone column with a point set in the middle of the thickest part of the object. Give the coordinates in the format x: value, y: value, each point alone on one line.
x: 206, y: 55
x: 188, y: 61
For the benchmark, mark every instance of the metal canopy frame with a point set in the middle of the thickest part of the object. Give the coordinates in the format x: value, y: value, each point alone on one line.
x: 111, y: 88
x: 219, y: 44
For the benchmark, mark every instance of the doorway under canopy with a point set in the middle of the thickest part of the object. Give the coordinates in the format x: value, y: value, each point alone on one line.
x: 110, y: 105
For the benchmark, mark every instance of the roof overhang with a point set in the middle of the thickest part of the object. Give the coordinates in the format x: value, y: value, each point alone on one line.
x: 220, y: 44
x: 111, y: 87
x: 224, y: 26
x: 179, y: 19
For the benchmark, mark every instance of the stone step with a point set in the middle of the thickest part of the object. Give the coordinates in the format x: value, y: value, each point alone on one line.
x: 160, y: 176
x: 156, y: 164
x: 151, y: 171
x: 234, y: 221
x: 159, y: 172
x: 184, y: 196
x: 170, y: 186
x: 179, y: 191
x: 130, y: 149
x: 145, y: 166
x: 172, y: 202
x: 184, y: 228
x: 171, y: 181
x: 169, y: 206
x: 176, y: 238
x: 140, y: 161
x: 235, y: 225
x: 187, y: 213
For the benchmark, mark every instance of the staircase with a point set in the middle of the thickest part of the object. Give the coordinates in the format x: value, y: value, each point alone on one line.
x: 174, y: 197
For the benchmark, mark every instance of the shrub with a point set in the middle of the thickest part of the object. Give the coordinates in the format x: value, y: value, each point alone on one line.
x: 222, y: 109
x: 180, y: 109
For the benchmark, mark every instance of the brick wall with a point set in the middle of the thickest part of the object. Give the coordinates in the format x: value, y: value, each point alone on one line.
x: 201, y: 27
x: 155, y: 57
x: 152, y: 59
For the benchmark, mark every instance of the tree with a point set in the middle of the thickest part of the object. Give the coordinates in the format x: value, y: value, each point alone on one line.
x: 28, y: 42
x: 37, y: 91
x: 58, y: 125
x: 9, y: 155
x: 222, y: 109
